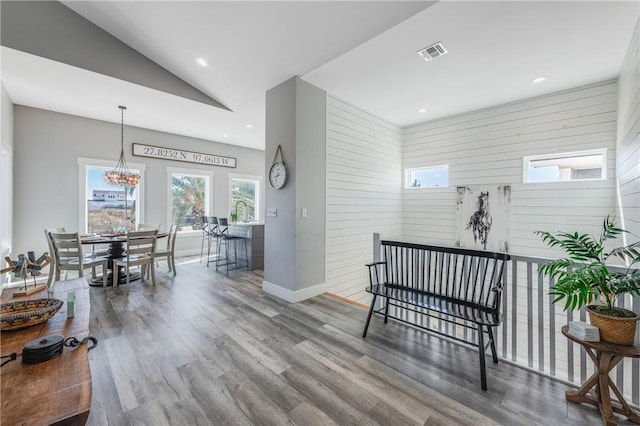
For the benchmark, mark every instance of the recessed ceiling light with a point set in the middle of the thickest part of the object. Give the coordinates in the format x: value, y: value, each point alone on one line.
x: 249, y: 126
x: 422, y: 110
x: 201, y: 62
x: 225, y: 136
x: 538, y: 79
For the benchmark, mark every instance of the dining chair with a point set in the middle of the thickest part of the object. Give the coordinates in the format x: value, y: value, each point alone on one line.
x: 100, y: 251
x: 148, y: 226
x: 69, y: 256
x: 52, y: 266
x: 141, y: 248
x: 169, y: 253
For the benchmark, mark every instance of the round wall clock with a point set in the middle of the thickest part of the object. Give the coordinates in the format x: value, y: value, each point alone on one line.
x: 277, y: 175
x: 278, y: 171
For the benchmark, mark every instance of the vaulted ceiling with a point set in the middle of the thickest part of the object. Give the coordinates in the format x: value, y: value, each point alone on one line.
x: 363, y: 52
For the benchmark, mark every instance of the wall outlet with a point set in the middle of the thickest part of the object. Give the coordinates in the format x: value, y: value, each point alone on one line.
x: 272, y: 212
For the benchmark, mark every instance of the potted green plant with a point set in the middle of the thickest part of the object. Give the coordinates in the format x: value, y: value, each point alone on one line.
x: 585, y: 278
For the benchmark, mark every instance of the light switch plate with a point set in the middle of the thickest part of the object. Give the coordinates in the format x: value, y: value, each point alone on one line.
x: 272, y: 212
x: 304, y: 212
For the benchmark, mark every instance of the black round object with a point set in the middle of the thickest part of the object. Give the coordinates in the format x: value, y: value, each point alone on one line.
x: 42, y: 349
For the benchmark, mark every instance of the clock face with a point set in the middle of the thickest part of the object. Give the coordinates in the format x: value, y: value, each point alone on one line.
x: 277, y: 175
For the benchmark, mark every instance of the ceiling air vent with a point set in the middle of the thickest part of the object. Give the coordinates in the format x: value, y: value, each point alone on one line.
x: 432, y: 52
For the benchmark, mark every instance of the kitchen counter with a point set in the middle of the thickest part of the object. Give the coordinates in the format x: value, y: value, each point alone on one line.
x: 253, y: 234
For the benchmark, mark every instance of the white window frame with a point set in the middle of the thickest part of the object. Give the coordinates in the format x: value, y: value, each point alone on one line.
x: 208, y: 190
x: 259, y: 195
x: 408, y: 171
x: 83, y: 163
x: 601, y: 151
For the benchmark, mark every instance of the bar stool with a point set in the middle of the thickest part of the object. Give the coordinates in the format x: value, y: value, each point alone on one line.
x: 214, y: 234
x: 224, y: 239
x: 205, y: 234
x: 209, y: 230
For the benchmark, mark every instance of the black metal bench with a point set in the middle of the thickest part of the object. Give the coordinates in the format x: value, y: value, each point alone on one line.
x: 459, y: 287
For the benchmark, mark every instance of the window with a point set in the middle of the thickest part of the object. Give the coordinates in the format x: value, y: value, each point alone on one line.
x: 582, y: 165
x: 189, y: 197
x: 105, y: 208
x: 425, y: 177
x: 245, y: 197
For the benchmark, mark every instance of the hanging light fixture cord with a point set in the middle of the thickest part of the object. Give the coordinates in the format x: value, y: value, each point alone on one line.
x: 121, y: 161
x: 122, y: 108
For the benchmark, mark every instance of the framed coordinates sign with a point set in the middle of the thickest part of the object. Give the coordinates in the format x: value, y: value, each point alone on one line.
x: 141, y: 150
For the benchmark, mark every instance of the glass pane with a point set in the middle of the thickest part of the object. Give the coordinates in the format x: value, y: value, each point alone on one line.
x: 243, y: 199
x: 543, y: 174
x: 564, y: 167
x: 428, y: 177
x: 110, y: 209
x: 188, y: 201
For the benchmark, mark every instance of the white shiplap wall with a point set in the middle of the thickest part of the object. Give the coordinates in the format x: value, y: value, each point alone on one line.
x: 488, y: 146
x: 628, y: 161
x: 363, y: 194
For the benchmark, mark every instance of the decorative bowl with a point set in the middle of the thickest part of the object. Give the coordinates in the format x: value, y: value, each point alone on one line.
x: 25, y: 313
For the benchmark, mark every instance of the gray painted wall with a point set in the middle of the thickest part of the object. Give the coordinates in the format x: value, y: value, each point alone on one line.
x: 295, y: 246
x: 311, y: 135
x: 46, y: 150
x: 280, y: 231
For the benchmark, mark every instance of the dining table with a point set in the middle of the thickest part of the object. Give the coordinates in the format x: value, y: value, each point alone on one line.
x: 116, y: 250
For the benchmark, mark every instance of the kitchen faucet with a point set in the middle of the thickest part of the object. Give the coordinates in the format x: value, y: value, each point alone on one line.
x: 246, y: 212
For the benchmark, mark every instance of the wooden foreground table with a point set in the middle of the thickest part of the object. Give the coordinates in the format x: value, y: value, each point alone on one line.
x: 595, y: 390
x: 57, y: 391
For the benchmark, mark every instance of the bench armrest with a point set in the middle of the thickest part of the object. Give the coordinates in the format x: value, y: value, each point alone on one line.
x: 375, y: 273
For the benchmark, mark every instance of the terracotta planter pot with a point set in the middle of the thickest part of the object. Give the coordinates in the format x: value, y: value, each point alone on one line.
x: 621, y: 331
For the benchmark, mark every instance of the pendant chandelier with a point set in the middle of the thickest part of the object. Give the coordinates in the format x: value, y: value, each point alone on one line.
x: 121, y: 175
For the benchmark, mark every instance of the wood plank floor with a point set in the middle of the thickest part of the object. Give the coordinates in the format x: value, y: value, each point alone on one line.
x: 202, y: 348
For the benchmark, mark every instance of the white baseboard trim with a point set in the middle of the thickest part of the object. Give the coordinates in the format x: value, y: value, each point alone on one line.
x: 293, y: 296
x: 190, y: 252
